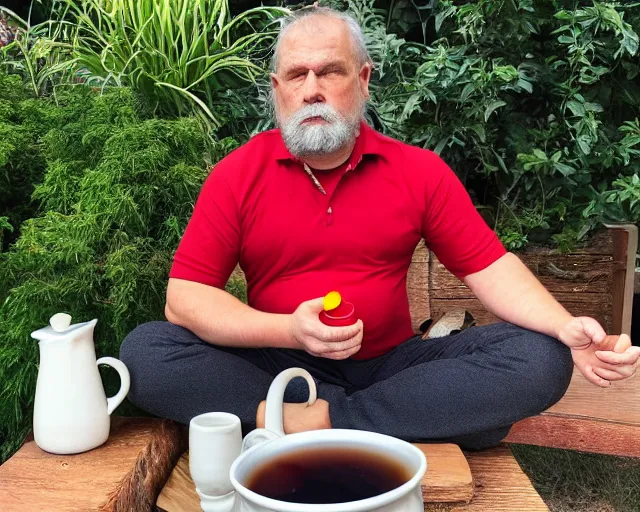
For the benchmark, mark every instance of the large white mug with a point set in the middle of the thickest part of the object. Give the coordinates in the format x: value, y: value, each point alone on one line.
x: 263, y: 445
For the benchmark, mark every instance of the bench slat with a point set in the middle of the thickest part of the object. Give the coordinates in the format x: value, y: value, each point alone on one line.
x: 500, y: 485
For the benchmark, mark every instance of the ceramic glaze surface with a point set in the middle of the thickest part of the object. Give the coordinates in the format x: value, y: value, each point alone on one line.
x: 71, y: 410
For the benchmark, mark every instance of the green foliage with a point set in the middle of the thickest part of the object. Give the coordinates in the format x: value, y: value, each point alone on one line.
x: 533, y: 103
x: 39, y: 54
x: 178, y: 55
x: 116, y: 194
x: 618, y: 204
x: 23, y: 121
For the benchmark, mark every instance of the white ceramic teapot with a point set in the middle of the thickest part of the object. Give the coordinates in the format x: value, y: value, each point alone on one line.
x: 71, y: 410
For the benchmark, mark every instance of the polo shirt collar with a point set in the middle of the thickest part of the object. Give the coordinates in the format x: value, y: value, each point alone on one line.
x: 367, y: 143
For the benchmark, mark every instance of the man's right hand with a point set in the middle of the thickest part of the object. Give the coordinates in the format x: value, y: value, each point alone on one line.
x: 321, y: 340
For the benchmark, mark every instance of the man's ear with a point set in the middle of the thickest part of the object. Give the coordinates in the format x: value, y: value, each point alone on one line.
x: 274, y: 80
x: 364, y: 77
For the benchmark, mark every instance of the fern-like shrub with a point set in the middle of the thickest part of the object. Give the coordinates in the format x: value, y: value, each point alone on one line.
x: 116, y: 194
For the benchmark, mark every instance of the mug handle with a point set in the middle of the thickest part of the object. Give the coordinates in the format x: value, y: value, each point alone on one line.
x: 275, y: 397
x: 274, y: 427
x: 125, y: 382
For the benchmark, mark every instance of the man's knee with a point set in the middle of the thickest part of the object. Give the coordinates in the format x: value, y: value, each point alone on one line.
x: 480, y: 440
x: 144, y: 352
x: 134, y: 349
x: 550, y: 367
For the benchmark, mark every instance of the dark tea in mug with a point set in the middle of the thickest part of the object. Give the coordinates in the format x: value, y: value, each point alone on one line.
x: 327, y: 475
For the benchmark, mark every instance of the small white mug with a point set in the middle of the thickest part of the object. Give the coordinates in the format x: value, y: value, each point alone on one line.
x: 215, y: 442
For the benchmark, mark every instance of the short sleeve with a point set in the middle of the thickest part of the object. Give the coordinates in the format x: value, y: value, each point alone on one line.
x: 452, y: 227
x: 209, y: 249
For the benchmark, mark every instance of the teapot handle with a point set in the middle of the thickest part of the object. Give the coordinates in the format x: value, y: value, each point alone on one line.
x: 274, y: 427
x: 125, y: 381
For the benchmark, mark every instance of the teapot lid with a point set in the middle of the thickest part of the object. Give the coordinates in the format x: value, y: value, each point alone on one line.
x: 59, y: 327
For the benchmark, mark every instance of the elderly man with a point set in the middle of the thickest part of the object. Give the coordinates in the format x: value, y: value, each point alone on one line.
x: 327, y: 203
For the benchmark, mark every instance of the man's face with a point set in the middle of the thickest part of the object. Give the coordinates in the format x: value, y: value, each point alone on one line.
x: 320, y: 89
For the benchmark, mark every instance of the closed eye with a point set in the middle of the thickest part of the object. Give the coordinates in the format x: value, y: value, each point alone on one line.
x: 332, y: 70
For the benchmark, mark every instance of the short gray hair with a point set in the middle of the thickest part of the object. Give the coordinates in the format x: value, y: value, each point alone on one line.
x: 300, y: 15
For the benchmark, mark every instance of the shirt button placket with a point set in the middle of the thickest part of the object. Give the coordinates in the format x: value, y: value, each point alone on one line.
x: 329, y: 216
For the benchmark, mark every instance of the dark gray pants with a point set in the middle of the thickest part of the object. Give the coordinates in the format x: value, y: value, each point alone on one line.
x: 468, y: 388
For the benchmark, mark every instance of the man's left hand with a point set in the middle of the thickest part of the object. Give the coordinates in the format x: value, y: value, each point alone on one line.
x: 600, y: 358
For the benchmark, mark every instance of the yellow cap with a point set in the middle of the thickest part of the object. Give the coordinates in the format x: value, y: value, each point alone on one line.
x: 332, y: 300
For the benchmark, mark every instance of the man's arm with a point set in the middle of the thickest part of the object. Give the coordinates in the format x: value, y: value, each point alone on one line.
x: 509, y: 290
x: 220, y: 319
x: 216, y: 316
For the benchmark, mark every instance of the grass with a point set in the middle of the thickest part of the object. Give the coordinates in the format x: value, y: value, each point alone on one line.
x: 575, y: 481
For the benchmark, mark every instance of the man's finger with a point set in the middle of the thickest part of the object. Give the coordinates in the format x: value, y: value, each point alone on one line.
x: 339, y: 346
x: 608, y: 374
x: 622, y: 344
x: 594, y: 378
x: 344, y: 354
x: 629, y: 357
x: 620, y: 368
x: 593, y: 329
x: 316, y: 305
x: 339, y: 334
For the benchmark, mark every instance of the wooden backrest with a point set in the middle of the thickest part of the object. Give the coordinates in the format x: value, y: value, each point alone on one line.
x: 595, y: 281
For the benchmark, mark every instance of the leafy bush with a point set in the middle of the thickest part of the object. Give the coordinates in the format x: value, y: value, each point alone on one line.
x: 23, y: 121
x: 535, y: 104
x: 116, y: 195
x: 177, y: 55
x: 39, y: 54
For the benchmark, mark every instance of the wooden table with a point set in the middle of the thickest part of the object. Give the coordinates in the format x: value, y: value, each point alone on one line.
x: 138, y: 467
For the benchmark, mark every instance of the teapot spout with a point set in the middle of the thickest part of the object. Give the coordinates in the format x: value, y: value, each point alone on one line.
x: 85, y: 328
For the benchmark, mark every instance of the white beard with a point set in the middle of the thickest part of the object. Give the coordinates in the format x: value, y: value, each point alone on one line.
x: 304, y: 140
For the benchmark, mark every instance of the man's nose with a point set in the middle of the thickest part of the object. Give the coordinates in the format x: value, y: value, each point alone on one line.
x: 312, y: 89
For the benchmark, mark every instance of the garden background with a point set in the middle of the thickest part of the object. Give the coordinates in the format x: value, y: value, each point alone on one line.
x: 112, y: 112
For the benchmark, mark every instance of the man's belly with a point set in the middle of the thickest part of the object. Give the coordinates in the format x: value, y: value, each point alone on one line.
x: 380, y: 301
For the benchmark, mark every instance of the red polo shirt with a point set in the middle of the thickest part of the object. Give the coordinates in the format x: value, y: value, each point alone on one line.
x: 259, y: 207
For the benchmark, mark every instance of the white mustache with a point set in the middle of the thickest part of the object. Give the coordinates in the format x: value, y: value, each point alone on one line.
x: 321, y: 110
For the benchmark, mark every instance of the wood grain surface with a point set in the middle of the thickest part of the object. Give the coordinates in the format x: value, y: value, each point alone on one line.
x: 625, y: 247
x: 499, y: 486
x: 123, y: 475
x: 418, y: 287
x: 577, y: 433
x: 620, y: 402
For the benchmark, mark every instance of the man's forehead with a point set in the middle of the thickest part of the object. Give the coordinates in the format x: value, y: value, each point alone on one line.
x: 324, y: 26
x: 312, y: 45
